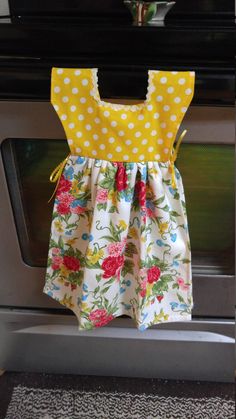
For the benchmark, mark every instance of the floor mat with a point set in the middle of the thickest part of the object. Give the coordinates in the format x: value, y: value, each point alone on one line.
x: 36, y: 403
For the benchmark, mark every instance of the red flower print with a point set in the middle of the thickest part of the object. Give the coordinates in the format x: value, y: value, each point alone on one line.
x: 143, y: 285
x: 153, y: 274
x: 78, y: 210
x: 121, y: 177
x: 112, y: 265
x: 55, y: 251
x: 65, y: 198
x: 142, y: 293
x: 180, y: 281
x: 56, y: 262
x: 140, y: 192
x: 63, y: 209
x: 100, y: 317
x: 102, y: 195
x: 64, y: 185
x: 149, y: 212
x: 115, y: 249
x: 159, y: 297
x: 71, y: 263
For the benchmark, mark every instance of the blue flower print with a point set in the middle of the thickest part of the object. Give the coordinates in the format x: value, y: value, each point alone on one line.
x: 129, y: 166
x: 122, y: 290
x: 128, y: 197
x: 174, y: 305
x: 78, y: 202
x: 85, y: 287
x: 84, y: 297
x: 150, y: 204
x: 68, y: 232
x: 183, y: 306
x: 90, y: 237
x: 144, y: 173
x: 128, y: 283
x: 173, y: 237
x: 175, y: 263
x: 144, y: 315
x: 127, y: 306
x: 177, y: 174
x: 85, y: 236
x: 171, y: 190
x: 69, y: 173
x: 142, y: 328
x: 80, y: 160
x: 55, y: 287
x: 160, y: 243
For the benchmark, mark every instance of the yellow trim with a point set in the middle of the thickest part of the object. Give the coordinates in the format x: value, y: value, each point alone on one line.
x: 173, y: 157
x: 56, y: 175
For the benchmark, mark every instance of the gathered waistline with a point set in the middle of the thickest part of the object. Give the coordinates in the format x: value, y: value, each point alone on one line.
x: 57, y: 172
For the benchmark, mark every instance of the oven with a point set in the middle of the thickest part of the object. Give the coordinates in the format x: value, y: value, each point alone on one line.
x: 38, y: 334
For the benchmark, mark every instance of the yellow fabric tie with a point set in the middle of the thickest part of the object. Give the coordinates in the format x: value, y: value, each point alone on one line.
x: 174, y: 157
x: 56, y: 175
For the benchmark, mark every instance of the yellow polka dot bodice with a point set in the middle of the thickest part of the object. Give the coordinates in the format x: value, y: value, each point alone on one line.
x: 117, y: 132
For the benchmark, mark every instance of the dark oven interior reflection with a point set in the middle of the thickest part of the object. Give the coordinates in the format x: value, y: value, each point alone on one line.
x: 207, y: 172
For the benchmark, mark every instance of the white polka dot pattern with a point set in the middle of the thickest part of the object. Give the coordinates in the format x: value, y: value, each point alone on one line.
x: 121, y: 132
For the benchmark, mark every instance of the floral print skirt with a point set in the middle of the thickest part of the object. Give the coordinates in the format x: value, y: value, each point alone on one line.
x: 119, y: 243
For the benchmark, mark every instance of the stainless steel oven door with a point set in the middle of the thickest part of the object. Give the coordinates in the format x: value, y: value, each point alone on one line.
x: 32, y: 143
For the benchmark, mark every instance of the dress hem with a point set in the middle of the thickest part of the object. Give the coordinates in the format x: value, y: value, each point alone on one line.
x: 141, y: 328
x: 144, y: 326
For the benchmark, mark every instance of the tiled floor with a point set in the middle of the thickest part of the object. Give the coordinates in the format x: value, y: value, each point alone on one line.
x: 135, y: 385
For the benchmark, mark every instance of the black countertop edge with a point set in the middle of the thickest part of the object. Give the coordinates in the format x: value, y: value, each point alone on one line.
x: 104, y: 23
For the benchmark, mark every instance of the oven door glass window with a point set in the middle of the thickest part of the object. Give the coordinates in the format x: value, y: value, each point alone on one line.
x: 208, y: 177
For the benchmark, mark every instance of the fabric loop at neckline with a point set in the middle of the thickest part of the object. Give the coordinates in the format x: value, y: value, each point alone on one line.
x: 117, y: 106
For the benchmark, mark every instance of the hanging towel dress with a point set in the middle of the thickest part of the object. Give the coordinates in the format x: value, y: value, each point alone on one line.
x: 119, y: 242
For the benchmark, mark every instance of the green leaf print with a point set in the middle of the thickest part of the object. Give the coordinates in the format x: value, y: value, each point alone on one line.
x: 185, y: 260
x: 162, y: 283
x: 104, y: 290
x: 127, y: 267
x: 93, y: 265
x: 166, y: 278
x: 181, y: 299
x: 157, y: 262
x: 107, y: 183
x: 165, y: 208
x: 113, y: 209
x: 130, y: 250
x: 183, y: 203
x: 159, y: 201
x: 106, y: 303
x: 109, y: 238
x: 176, y: 195
x: 114, y: 232
x: 102, y: 206
x: 76, y: 277
x: 110, y: 280
x: 60, y: 243
x: 174, y: 214
x: 55, y: 215
x: 166, y: 182
x: 98, y: 277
